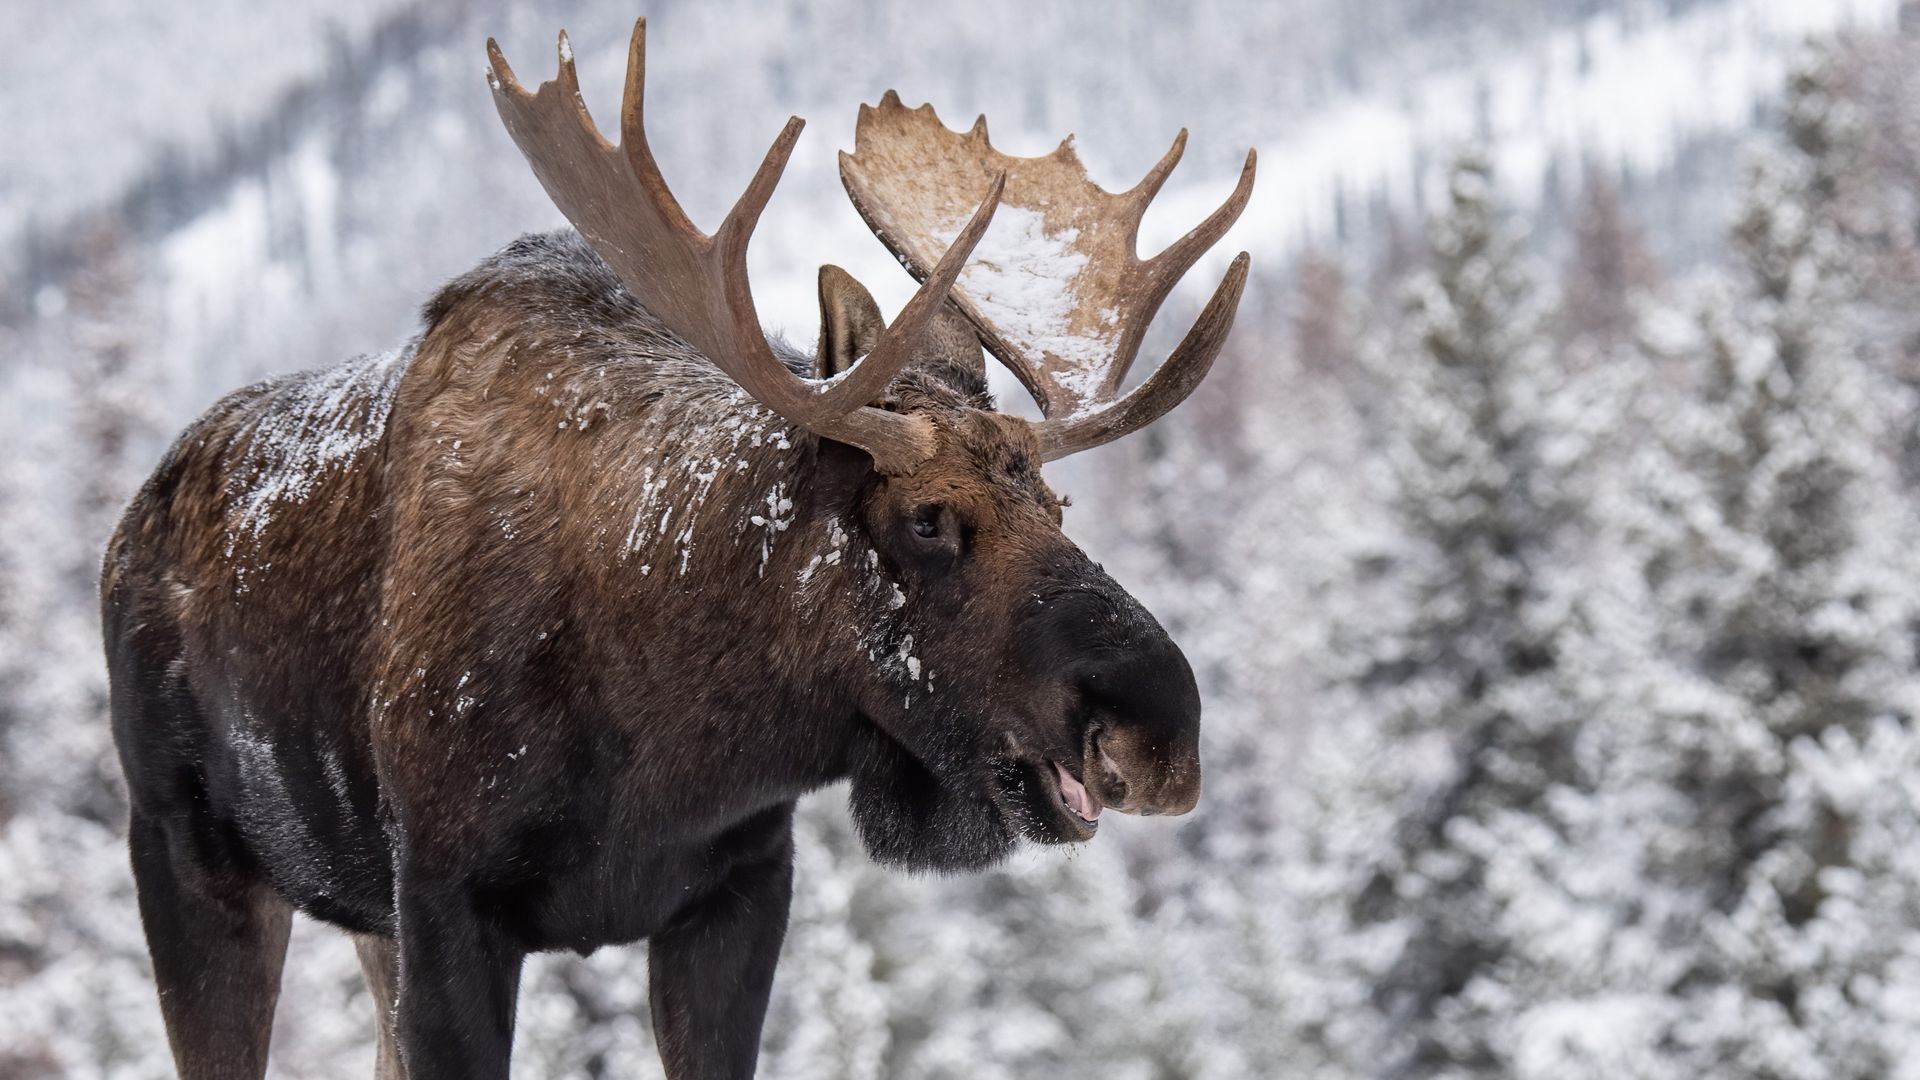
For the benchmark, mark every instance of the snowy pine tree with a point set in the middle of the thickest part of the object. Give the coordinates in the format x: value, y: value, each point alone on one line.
x: 1773, y: 538
x: 1608, y: 275
x: 1463, y: 727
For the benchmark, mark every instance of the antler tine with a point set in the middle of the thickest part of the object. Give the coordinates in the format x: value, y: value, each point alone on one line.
x: 746, y: 212
x: 499, y: 72
x: 1169, y: 384
x: 696, y: 284
x: 1179, y: 256
x: 1143, y: 192
x: 570, y: 79
x: 1163, y: 271
x: 633, y: 132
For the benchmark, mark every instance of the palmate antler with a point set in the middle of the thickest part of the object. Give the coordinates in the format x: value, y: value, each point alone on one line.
x: 1056, y: 291
x: 697, y: 284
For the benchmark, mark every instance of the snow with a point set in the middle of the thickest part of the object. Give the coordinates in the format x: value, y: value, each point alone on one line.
x: 321, y: 423
x: 200, y: 259
x: 1025, y: 281
x: 224, y: 66
x: 1617, y: 89
x: 776, y: 520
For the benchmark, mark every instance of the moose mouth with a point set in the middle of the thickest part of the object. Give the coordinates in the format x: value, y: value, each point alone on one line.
x: 1059, y: 807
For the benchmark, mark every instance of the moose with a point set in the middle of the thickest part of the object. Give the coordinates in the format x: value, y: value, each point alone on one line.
x: 529, y: 634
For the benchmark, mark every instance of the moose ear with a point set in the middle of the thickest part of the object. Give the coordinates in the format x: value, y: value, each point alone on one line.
x: 850, y: 322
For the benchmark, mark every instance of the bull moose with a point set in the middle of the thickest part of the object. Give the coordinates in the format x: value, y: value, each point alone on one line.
x: 528, y: 635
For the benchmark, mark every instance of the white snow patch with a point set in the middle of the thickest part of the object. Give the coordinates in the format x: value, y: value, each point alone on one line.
x: 675, y: 485
x: 1024, y: 280
x: 320, y: 423
x: 775, y: 521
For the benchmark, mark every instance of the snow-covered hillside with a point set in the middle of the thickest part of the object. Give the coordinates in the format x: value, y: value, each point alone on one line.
x: 402, y: 178
x: 96, y: 92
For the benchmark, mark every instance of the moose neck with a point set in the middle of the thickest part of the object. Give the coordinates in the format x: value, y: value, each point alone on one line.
x: 686, y: 556
x: 814, y: 633
x: 784, y: 618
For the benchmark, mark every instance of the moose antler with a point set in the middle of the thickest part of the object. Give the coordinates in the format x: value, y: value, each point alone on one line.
x: 697, y: 284
x: 1057, y: 291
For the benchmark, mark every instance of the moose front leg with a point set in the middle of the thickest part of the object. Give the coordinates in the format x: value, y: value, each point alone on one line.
x: 459, y: 976
x: 710, y: 973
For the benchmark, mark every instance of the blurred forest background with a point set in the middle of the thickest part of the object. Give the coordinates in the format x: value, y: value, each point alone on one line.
x: 1545, y: 543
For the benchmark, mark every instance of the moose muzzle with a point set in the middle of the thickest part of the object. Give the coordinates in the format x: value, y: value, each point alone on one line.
x: 1137, y: 706
x: 1142, y: 741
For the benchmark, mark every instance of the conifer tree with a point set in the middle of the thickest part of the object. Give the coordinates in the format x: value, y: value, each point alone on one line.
x: 1462, y: 731
x: 1772, y: 540
x: 1608, y: 274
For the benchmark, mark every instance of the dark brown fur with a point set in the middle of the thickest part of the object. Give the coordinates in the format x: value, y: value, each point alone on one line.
x: 530, y: 638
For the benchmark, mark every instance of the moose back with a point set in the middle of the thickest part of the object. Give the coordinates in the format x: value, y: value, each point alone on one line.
x: 529, y: 635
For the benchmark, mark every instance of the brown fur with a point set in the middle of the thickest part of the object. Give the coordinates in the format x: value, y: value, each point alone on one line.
x: 545, y: 623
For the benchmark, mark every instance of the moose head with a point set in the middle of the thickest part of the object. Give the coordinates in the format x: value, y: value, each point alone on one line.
x: 1039, y: 691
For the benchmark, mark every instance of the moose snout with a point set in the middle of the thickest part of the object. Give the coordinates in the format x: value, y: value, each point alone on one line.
x: 1142, y: 781
x: 1142, y: 744
x: 1129, y: 690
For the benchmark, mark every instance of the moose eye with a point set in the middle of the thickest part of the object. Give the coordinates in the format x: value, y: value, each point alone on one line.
x: 926, y: 522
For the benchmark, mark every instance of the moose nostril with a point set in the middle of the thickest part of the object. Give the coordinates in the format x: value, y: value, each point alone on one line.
x: 1102, y: 768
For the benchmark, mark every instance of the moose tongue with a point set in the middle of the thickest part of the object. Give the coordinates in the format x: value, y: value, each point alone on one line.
x: 1077, y: 795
